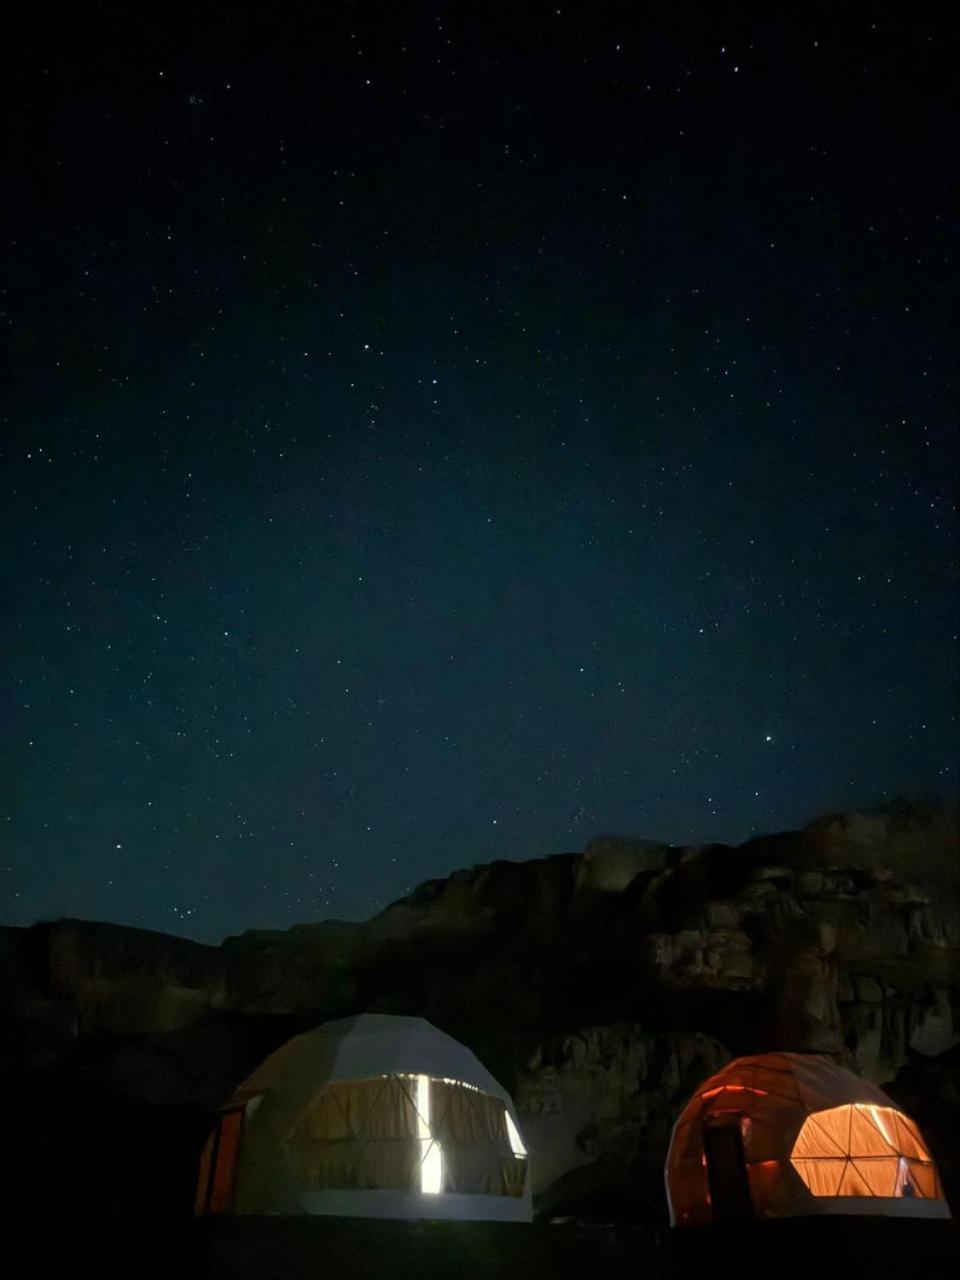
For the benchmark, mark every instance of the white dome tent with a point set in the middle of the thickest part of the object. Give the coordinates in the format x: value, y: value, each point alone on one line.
x: 373, y: 1116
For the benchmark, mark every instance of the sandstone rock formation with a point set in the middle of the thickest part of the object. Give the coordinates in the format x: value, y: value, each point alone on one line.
x: 599, y: 986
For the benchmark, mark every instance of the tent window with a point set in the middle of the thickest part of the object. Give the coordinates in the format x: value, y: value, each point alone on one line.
x: 864, y: 1150
x: 408, y: 1133
x: 359, y: 1135
x: 479, y: 1155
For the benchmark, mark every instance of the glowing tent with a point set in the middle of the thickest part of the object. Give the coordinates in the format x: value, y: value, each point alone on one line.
x: 372, y: 1116
x: 788, y: 1134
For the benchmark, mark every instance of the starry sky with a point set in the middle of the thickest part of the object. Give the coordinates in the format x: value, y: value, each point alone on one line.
x: 436, y: 433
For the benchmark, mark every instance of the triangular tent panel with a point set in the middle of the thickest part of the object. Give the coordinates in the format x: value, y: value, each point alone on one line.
x: 372, y: 1116
x: 804, y: 1136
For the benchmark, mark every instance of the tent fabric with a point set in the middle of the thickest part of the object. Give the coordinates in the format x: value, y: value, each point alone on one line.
x: 815, y: 1137
x: 381, y: 1116
x: 471, y: 1128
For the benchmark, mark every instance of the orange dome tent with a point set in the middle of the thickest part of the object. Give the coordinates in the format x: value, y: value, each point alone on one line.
x: 787, y: 1134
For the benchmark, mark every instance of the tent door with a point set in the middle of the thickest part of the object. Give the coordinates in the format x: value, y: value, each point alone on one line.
x: 726, y: 1168
x: 218, y: 1166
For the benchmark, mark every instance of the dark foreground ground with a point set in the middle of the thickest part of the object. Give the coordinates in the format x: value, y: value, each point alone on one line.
x: 362, y: 1249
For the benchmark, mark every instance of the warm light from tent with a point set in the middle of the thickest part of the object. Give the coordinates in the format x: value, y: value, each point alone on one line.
x: 734, y: 1088
x: 861, y: 1149
x: 431, y: 1157
x: 516, y: 1142
x: 876, y: 1115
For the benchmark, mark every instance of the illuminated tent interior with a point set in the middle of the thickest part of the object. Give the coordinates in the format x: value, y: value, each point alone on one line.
x: 785, y: 1134
x: 372, y: 1116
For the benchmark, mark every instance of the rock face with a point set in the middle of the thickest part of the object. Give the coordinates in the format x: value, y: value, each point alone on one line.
x: 598, y: 1107
x: 600, y: 987
x: 124, y: 982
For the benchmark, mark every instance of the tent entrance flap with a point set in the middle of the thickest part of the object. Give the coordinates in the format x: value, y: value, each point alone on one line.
x: 218, y: 1164
x: 727, y: 1167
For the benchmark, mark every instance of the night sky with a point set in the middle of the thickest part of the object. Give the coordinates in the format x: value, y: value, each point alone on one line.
x: 435, y: 433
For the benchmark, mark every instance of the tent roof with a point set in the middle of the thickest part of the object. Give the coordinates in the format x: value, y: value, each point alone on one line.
x: 356, y: 1048
x: 812, y: 1080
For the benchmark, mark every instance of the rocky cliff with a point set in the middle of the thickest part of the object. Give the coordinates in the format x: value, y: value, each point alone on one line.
x: 600, y: 986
